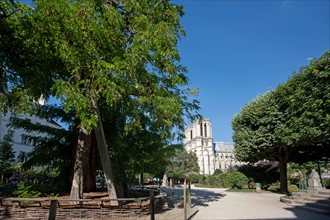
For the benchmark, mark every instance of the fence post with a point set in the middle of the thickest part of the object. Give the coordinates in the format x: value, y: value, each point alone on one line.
x: 52, y: 210
x: 152, y: 205
x: 185, y: 198
x: 189, y: 189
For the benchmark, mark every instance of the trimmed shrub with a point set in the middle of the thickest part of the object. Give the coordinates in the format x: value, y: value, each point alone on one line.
x: 274, y: 187
x: 194, y: 177
x: 264, y: 173
x: 293, y: 188
x: 236, y: 180
x: 252, y: 185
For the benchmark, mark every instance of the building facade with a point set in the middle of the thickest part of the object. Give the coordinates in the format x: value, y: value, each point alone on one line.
x: 19, y: 137
x: 211, y: 155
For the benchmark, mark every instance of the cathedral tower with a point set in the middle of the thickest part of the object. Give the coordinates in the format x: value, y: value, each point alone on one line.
x: 198, y: 139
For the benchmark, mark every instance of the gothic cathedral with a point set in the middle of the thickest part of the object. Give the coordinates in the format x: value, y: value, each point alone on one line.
x: 211, y: 155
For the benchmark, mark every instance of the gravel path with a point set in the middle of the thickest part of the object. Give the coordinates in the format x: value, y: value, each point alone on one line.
x: 219, y: 204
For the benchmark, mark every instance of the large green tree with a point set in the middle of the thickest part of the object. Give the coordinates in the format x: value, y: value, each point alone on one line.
x: 290, y: 123
x: 254, y: 134
x: 97, y: 53
x: 305, y: 102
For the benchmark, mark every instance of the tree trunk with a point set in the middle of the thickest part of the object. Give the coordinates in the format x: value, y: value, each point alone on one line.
x: 74, y: 148
x: 141, y: 179
x: 77, y: 180
x: 283, y: 159
x: 104, y: 155
x: 90, y: 165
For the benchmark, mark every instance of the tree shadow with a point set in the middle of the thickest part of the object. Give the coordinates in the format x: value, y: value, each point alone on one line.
x: 199, y: 197
x: 301, y: 212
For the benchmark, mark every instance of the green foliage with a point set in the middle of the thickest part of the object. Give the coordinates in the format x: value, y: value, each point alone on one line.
x: 217, y: 171
x: 264, y: 173
x: 45, y: 162
x: 182, y: 163
x: 304, y: 168
x: 7, y: 154
x: 233, y: 180
x: 236, y: 180
x: 254, y: 130
x: 52, y: 195
x: 293, y: 188
x: 24, y: 191
x: 289, y: 123
x: 304, y: 99
x: 193, y: 177
x: 251, y: 184
x: 326, y: 183
x: 274, y: 187
x: 123, y: 55
x: 241, y: 190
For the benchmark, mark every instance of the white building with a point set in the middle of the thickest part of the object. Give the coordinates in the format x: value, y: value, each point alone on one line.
x: 20, y: 142
x: 211, y: 155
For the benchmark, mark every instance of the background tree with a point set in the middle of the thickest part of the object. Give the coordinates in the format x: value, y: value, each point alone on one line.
x: 7, y: 155
x: 254, y: 134
x: 182, y: 163
x: 53, y: 149
x: 304, y: 100
x: 289, y: 122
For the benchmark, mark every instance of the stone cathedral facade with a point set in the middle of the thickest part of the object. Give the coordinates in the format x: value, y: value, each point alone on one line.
x: 211, y: 155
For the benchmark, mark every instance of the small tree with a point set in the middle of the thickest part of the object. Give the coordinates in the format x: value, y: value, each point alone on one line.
x: 7, y: 154
x: 181, y: 164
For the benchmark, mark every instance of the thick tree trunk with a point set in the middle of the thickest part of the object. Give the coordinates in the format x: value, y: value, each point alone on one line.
x: 283, y: 159
x: 104, y: 155
x: 89, y: 168
x: 77, y: 180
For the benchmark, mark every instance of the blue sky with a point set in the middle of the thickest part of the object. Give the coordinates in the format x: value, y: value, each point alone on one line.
x: 237, y: 50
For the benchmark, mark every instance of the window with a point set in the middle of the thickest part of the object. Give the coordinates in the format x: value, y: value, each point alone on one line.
x: 205, y: 130
x: 24, y: 140
x: 191, y: 134
x: 28, y: 140
x: 201, y: 125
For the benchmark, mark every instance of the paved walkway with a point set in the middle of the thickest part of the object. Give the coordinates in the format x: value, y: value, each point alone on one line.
x: 219, y: 204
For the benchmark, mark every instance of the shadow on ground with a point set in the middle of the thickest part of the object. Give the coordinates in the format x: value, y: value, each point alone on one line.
x: 199, y: 197
x: 302, y: 214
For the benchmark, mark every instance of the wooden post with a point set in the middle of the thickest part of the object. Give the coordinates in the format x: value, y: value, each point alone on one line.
x: 189, y: 202
x: 152, y: 204
x: 52, y: 210
x: 185, y: 199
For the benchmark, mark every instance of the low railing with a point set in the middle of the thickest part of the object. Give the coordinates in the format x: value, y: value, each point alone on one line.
x: 140, y: 206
